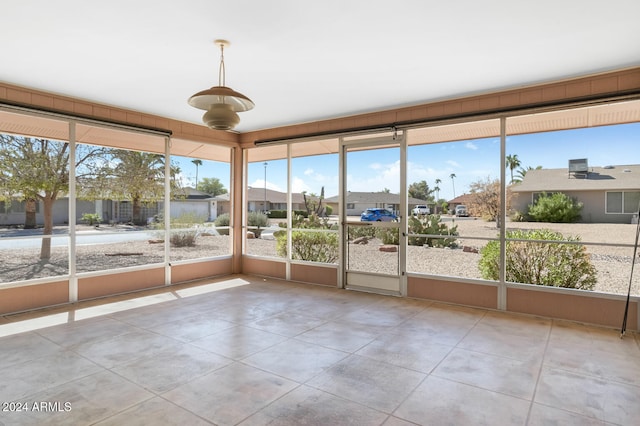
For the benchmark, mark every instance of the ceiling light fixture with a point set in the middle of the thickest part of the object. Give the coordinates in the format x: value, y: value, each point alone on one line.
x: 221, y: 102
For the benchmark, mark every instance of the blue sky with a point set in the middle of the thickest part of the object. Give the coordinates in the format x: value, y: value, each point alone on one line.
x: 470, y: 161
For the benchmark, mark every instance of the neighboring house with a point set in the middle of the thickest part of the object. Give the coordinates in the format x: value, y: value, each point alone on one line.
x: 259, y: 199
x: 357, y: 202
x: 609, y: 194
x: 196, y: 203
x: 113, y: 211
x: 13, y: 212
x: 460, y: 200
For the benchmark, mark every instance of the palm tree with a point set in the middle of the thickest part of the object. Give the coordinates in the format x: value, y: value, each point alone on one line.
x: 437, y: 188
x: 453, y: 176
x: 512, y: 163
x: 198, y: 163
x: 521, y: 172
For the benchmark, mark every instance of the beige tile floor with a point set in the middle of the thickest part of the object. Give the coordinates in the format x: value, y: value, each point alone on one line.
x: 242, y: 350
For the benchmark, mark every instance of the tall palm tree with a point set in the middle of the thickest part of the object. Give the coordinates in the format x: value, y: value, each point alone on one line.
x: 453, y: 176
x: 513, y: 162
x: 198, y: 163
x: 437, y: 188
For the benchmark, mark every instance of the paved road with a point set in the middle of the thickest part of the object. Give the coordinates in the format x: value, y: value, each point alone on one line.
x: 32, y: 238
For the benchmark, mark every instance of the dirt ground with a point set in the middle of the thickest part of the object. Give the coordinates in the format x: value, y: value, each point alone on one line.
x: 612, y: 261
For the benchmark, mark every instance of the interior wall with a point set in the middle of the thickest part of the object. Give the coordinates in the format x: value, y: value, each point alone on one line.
x: 578, y: 307
x: 17, y: 299
x: 119, y: 282
x: 204, y: 269
x: 484, y: 296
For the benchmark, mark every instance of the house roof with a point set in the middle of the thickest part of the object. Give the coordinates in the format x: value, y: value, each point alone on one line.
x: 460, y: 199
x: 195, y: 194
x: 374, y: 197
x: 622, y: 177
x: 258, y: 194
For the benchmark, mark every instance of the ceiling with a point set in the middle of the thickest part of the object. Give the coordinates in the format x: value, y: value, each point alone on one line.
x: 302, y: 61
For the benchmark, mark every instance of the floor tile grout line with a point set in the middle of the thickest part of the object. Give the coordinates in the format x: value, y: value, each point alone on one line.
x: 540, y: 370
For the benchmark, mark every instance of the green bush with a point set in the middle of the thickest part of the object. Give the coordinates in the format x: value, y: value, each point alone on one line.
x: 282, y: 214
x: 541, y: 263
x: 311, y: 246
x: 188, y: 219
x: 223, y: 220
x: 389, y: 235
x: 555, y: 208
x: 278, y: 214
x: 257, y: 219
x: 328, y: 210
x: 92, y: 218
x: 431, y: 225
x: 361, y: 231
x: 313, y: 221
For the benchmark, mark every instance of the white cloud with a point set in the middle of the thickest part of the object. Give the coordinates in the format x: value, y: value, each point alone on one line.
x: 471, y: 145
x: 309, y: 172
x: 299, y: 185
x: 453, y: 163
x: 259, y: 183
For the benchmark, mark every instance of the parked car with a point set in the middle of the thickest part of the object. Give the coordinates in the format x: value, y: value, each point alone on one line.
x: 461, y: 211
x: 420, y: 209
x: 377, y: 215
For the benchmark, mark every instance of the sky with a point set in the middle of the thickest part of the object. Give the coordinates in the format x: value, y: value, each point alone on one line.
x: 470, y: 161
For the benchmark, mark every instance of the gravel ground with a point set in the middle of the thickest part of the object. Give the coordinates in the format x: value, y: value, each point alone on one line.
x: 613, y: 264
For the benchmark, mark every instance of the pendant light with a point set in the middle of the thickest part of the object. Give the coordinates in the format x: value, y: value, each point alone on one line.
x: 221, y: 103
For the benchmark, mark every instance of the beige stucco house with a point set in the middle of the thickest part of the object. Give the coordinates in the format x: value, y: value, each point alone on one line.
x: 609, y: 194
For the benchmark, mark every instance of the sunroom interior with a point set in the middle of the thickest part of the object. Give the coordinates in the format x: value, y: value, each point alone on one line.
x: 496, y: 119
x: 184, y: 307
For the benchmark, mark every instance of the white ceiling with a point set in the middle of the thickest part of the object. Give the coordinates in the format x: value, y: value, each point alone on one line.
x: 302, y: 61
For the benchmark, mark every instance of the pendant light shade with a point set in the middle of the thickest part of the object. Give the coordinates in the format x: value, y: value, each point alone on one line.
x: 221, y: 103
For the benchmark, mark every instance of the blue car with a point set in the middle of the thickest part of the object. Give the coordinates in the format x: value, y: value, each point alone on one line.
x: 377, y: 215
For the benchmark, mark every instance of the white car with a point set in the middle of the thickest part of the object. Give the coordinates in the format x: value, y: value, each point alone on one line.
x: 420, y: 209
x: 461, y: 211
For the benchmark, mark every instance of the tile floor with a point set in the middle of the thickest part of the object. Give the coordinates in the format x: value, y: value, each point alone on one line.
x: 242, y: 350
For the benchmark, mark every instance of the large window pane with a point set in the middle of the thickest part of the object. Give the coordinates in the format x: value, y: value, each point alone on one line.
x: 34, y: 207
x: 314, y: 187
x: 266, y: 191
x: 119, y: 207
x: 453, y: 178
x: 200, y: 208
x: 587, y: 194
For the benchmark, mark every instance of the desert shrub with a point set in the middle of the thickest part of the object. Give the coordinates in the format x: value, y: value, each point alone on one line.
x: 389, y: 235
x: 328, y: 210
x: 431, y: 225
x: 223, y: 220
x: 312, y: 221
x: 311, y: 246
x: 183, y: 239
x: 361, y: 231
x: 555, y: 208
x: 92, y: 218
x: 257, y: 219
x: 542, y: 263
x: 517, y: 216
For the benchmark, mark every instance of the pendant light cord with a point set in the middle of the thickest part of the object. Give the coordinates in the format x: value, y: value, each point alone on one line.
x: 221, y: 71
x: 633, y: 262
